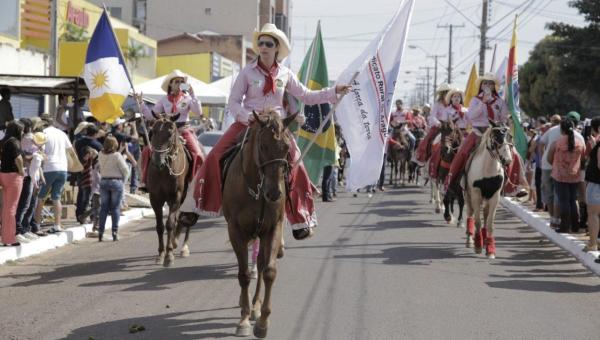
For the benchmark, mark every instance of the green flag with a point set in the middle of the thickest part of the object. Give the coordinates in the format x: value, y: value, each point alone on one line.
x: 313, y: 74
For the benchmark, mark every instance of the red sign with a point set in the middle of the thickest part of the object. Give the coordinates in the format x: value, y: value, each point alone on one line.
x: 77, y: 16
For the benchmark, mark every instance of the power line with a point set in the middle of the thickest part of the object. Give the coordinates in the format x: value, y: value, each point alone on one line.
x: 461, y: 13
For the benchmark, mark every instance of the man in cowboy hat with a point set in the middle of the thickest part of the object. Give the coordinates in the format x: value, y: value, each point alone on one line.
x: 435, y: 117
x: 417, y: 121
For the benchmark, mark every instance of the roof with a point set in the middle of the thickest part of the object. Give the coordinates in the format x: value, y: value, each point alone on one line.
x: 36, y: 84
x: 207, y: 93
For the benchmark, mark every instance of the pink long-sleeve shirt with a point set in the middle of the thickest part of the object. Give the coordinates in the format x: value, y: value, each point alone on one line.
x: 451, y: 113
x: 185, y: 105
x: 437, y: 114
x: 247, y: 92
x: 478, y: 114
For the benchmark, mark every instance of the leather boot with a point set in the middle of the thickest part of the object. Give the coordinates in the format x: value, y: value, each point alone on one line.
x: 565, y: 223
x: 583, y: 216
x: 575, y: 222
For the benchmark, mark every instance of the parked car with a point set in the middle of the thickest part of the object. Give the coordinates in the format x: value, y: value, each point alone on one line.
x: 209, y: 139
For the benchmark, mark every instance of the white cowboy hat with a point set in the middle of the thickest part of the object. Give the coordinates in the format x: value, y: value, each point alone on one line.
x: 453, y: 92
x: 274, y: 32
x: 443, y: 87
x: 487, y: 76
x: 168, y: 78
x: 82, y: 126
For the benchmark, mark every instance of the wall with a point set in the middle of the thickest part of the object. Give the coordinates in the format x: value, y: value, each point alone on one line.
x: 21, y: 61
x: 231, y: 47
x: 169, y: 18
x: 196, y: 65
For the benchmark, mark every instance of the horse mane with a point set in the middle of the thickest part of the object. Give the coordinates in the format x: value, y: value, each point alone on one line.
x: 484, y: 138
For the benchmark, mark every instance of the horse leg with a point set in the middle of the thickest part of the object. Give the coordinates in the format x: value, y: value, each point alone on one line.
x: 160, y: 227
x: 461, y: 205
x: 391, y: 172
x: 240, y: 247
x: 171, y: 222
x: 447, y: 208
x: 470, y: 221
x: 490, y: 244
x: 185, y: 220
x: 269, y: 245
x: 476, y: 202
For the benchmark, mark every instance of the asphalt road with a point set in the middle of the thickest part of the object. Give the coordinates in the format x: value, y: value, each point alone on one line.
x: 381, y: 267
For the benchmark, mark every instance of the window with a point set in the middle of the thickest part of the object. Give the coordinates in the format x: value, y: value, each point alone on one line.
x: 208, y: 11
x: 116, y: 12
x: 9, y: 18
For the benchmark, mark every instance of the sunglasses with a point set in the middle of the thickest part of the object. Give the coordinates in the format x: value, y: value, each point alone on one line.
x: 268, y: 44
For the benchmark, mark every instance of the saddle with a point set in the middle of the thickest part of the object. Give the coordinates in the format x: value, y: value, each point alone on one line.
x: 229, y: 156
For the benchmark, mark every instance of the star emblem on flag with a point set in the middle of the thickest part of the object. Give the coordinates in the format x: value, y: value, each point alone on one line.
x: 100, y: 79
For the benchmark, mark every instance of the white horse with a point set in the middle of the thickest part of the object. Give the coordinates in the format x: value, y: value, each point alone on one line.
x: 484, y: 182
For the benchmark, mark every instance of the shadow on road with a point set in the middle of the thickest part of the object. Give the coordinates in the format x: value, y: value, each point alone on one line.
x: 158, y: 279
x: 172, y: 326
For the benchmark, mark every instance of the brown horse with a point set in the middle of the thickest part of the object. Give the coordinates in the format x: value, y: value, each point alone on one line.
x: 399, y: 156
x: 167, y: 183
x: 451, y: 138
x: 254, y: 198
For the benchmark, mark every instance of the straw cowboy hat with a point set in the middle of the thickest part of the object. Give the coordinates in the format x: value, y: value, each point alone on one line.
x: 82, y: 126
x: 453, y: 92
x: 168, y: 78
x: 272, y: 31
x: 490, y: 77
x: 415, y: 108
x: 443, y: 87
x: 39, y: 138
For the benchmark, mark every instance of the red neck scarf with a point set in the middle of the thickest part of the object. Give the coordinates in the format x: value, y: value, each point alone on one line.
x: 458, y: 109
x: 174, y: 100
x: 269, y: 76
x: 490, y: 110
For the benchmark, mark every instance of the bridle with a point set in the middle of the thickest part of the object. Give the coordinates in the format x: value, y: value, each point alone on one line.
x: 172, y: 152
x: 492, y: 145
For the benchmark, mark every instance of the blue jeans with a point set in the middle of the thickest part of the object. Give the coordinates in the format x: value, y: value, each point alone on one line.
x: 83, y: 200
x: 111, y: 194
x: 55, y: 181
x: 566, y: 194
x: 133, y: 177
x: 23, y: 206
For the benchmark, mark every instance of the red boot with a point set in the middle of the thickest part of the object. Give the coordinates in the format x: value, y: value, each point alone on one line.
x: 470, y: 225
x: 484, y: 234
x: 490, y: 247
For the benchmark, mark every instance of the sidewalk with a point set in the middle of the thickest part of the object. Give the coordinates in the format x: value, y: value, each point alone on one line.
x: 73, y: 232
x: 573, y: 243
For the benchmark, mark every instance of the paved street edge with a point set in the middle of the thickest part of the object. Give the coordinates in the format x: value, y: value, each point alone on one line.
x: 68, y: 236
x: 565, y: 241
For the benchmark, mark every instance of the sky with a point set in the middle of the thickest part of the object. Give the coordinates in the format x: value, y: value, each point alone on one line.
x: 349, y: 25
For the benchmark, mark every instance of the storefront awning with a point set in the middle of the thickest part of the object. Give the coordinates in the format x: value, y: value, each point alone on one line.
x: 41, y: 85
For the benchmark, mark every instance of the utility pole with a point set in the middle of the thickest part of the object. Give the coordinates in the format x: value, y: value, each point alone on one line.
x: 483, y: 42
x: 428, y: 97
x: 435, y: 58
x: 451, y: 28
x: 53, y: 37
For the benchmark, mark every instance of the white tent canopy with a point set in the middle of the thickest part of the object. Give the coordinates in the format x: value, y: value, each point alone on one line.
x: 207, y: 93
x: 224, y: 84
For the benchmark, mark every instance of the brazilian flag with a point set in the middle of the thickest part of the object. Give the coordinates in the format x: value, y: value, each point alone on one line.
x: 313, y: 74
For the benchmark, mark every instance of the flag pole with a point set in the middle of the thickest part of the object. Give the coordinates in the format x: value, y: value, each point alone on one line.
x: 139, y: 105
x: 327, y: 119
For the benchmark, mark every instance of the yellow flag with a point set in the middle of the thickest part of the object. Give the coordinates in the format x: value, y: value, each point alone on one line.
x: 471, y: 91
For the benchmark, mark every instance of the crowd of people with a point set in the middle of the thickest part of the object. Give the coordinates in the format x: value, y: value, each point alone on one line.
x: 42, y: 154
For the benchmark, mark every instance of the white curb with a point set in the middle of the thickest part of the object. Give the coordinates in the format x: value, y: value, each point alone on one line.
x: 68, y: 236
x: 565, y: 241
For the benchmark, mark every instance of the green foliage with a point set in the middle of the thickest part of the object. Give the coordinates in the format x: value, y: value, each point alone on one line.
x: 134, y: 53
x: 563, y: 71
x: 74, y: 33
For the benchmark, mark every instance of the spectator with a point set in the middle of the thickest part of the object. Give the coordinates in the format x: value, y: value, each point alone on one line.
x: 55, y: 173
x: 113, y: 170
x: 28, y: 148
x: 592, y: 178
x: 11, y: 179
x: 565, y: 156
x: 6, y: 111
x: 36, y: 175
x: 95, y: 188
x: 537, y: 159
x: 326, y: 183
x: 547, y: 183
x: 84, y: 147
x: 61, y: 121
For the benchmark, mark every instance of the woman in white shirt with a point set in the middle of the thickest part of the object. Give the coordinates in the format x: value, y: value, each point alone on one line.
x: 113, y: 170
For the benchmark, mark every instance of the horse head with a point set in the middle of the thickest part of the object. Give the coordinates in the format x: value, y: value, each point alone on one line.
x: 164, y: 139
x: 498, y: 143
x: 271, y: 146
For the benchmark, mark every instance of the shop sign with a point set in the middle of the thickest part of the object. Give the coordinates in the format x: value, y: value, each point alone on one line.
x: 77, y: 16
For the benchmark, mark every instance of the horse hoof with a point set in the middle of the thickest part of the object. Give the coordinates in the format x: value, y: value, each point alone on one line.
x: 478, y: 250
x: 242, y: 330
x: 185, y: 252
x: 460, y: 224
x: 169, y: 260
x: 491, y: 256
x: 280, y: 252
x: 260, y: 332
x: 469, y: 242
x: 255, y: 315
x: 160, y: 259
x: 438, y: 210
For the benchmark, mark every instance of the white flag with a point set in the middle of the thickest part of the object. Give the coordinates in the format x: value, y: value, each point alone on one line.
x: 501, y: 76
x: 364, y: 113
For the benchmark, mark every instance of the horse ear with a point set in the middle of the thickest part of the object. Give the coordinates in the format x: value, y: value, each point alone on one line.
x: 287, y: 121
x: 154, y: 115
x: 174, y: 117
x: 492, y: 123
x: 257, y: 118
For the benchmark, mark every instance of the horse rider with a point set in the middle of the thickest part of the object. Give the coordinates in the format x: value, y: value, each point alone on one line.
x: 179, y: 101
x: 259, y: 87
x: 485, y: 107
x: 417, y: 121
x: 400, y: 116
x: 455, y: 111
x: 435, y: 117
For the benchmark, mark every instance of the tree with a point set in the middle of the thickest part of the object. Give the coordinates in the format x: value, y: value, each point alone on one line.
x: 73, y: 32
x: 563, y: 70
x: 134, y: 53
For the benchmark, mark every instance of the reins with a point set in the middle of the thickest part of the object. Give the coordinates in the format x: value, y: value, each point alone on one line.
x: 173, y: 150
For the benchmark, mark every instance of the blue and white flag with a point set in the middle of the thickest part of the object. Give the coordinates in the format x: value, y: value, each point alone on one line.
x: 364, y: 113
x: 105, y: 73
